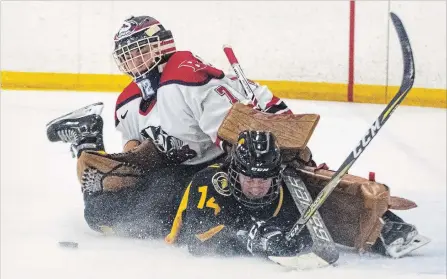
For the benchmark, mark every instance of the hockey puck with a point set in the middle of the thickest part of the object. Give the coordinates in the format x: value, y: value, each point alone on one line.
x: 68, y: 244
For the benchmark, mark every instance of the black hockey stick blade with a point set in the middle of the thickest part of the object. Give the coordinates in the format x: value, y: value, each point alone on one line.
x: 405, y: 87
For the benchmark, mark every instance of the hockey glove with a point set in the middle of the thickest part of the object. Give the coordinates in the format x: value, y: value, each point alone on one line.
x: 265, y: 240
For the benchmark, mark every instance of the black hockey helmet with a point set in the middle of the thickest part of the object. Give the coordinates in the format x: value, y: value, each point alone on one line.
x: 256, y: 155
x: 141, y: 44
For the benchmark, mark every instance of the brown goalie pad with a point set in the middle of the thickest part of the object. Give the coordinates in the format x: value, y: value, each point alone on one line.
x: 293, y: 131
x: 121, y: 170
x: 353, y: 209
x: 131, y: 145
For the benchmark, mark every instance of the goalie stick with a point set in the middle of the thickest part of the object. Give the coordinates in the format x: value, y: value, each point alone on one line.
x: 239, y: 73
x: 324, y: 250
x: 406, y: 85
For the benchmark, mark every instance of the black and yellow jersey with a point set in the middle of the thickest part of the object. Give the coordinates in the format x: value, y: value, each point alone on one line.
x: 144, y: 210
x: 209, y: 216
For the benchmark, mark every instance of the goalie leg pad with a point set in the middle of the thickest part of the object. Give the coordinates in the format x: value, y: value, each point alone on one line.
x: 293, y: 131
x: 98, y: 171
x: 354, y: 209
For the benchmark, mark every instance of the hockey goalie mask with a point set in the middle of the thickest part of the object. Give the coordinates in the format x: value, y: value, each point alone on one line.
x: 255, y: 169
x: 140, y: 45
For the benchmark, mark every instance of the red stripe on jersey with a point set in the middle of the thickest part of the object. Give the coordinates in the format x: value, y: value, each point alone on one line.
x: 275, y: 100
x: 284, y: 111
x: 131, y: 92
x: 255, y: 102
x: 219, y: 142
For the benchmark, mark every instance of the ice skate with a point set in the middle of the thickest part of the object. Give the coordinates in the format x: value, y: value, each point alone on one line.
x: 398, y: 238
x: 81, y: 128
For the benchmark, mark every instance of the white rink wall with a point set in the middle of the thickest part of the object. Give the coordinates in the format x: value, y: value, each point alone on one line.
x: 274, y: 40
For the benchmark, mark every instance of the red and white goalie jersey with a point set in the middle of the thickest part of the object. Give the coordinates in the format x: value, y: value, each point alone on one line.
x: 191, y: 102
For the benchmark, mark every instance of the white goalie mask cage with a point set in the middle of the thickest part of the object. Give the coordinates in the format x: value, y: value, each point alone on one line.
x: 140, y: 45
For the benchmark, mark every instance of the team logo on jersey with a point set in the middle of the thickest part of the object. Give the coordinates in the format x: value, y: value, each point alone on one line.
x: 195, y: 65
x: 220, y: 183
x: 174, y: 149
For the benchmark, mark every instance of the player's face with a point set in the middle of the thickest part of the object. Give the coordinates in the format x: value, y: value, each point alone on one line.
x: 254, y: 188
x: 139, y: 58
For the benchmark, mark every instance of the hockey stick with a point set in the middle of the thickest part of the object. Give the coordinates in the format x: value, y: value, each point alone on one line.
x: 406, y: 85
x: 238, y: 70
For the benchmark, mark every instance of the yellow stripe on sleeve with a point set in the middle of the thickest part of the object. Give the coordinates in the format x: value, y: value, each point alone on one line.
x: 281, y: 197
x: 209, y: 233
x: 177, y: 224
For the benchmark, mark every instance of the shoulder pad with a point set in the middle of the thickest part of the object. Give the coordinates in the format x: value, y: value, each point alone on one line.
x: 185, y: 68
x: 131, y: 92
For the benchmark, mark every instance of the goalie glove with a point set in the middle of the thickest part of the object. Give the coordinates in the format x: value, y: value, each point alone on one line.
x: 265, y: 240
x: 99, y: 171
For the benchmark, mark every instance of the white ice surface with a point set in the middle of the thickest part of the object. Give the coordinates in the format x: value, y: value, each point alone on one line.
x: 41, y: 202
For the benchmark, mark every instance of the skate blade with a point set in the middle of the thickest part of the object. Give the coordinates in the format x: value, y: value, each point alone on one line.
x: 301, y: 262
x: 95, y: 108
x: 398, y: 250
